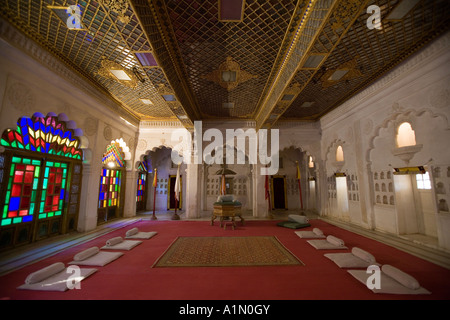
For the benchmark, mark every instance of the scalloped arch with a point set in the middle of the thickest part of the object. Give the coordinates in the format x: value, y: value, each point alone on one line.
x: 397, y: 118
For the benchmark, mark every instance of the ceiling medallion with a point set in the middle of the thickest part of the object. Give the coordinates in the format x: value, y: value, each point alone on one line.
x: 229, y: 75
x: 114, y: 71
x: 120, y: 7
x: 344, y: 12
x: 346, y: 71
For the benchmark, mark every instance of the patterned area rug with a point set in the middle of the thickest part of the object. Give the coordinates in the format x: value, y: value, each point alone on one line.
x: 226, y: 252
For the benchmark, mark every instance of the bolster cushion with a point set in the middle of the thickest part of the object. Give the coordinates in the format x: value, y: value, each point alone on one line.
x: 83, y: 255
x: 364, y: 255
x: 400, y: 276
x: 336, y: 241
x: 114, y: 241
x: 45, y: 273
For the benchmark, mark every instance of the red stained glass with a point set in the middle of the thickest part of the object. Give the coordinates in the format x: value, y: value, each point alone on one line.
x: 27, y: 190
x: 30, y: 168
x: 20, y: 167
x: 29, y: 177
x: 25, y: 203
x: 48, y: 200
x: 12, y: 214
x: 16, y: 190
x: 55, y: 199
x: 51, y: 178
x: 23, y: 213
x: 18, y: 176
x: 50, y: 188
x: 58, y: 178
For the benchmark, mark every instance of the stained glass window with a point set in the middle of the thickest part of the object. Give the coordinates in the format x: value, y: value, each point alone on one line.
x: 142, y: 177
x: 110, y: 184
x: 114, y: 155
x: 53, y: 189
x: 21, y: 191
x: 45, y: 135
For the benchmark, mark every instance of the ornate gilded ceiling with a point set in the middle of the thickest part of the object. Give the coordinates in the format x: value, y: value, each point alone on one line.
x: 274, y: 60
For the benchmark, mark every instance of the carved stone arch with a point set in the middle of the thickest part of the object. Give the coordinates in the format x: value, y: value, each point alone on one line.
x: 395, y: 119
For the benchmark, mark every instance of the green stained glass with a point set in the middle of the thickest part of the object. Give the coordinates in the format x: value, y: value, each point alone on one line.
x: 17, y: 220
x: 16, y: 160
x: 47, y: 170
x: 35, y: 183
x: 36, y: 162
x: 57, y: 213
x: 50, y: 214
x: 6, y: 222
x: 44, y: 183
x: 37, y: 171
x: 26, y: 161
x: 33, y: 196
x: 42, y: 216
x: 31, y: 208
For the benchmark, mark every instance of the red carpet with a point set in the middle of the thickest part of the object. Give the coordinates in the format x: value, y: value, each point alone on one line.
x: 132, y: 277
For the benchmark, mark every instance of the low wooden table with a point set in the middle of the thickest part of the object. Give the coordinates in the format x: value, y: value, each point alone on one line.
x: 224, y: 211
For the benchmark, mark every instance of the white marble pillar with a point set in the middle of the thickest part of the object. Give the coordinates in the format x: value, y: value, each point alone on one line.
x: 260, y: 203
x: 193, y: 191
x: 87, y: 217
x: 129, y: 206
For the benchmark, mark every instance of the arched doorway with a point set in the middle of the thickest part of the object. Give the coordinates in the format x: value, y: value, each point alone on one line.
x: 141, y: 190
x: 40, y: 178
x: 112, y: 178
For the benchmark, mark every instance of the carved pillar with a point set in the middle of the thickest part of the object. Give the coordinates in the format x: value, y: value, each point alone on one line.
x: 129, y: 207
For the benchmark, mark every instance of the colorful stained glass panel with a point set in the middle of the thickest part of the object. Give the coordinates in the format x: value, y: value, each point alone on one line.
x: 110, y: 181
x: 43, y: 134
x: 54, y: 185
x: 21, y: 191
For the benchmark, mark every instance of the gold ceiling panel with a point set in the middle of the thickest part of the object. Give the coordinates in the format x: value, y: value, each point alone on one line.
x: 368, y: 53
x: 283, y: 59
x: 111, y: 33
x: 205, y: 43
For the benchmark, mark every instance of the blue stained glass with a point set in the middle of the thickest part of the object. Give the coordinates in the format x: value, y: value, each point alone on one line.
x: 61, y: 194
x: 32, y: 148
x: 27, y: 218
x: 14, y: 203
x: 102, y: 196
x: 26, y: 139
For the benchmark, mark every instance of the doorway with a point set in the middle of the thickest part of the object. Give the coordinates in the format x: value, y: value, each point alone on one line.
x: 279, y: 192
x: 171, y: 201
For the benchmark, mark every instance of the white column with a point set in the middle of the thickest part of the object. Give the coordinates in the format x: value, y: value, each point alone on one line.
x: 260, y: 203
x: 193, y: 191
x: 130, y: 183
